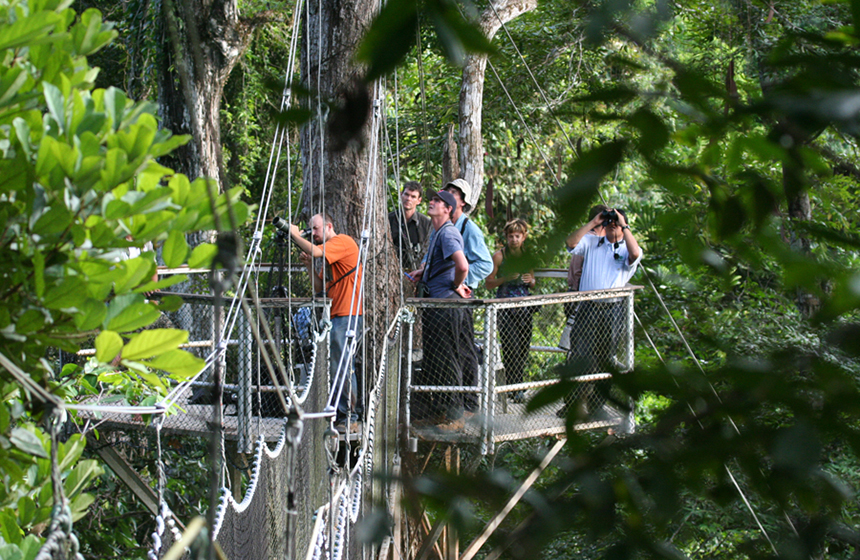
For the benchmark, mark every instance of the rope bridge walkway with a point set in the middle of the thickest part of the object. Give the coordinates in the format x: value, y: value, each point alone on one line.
x: 289, y: 451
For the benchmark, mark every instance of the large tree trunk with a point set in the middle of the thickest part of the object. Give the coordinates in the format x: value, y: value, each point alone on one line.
x: 472, y: 93
x: 205, y: 39
x: 342, y: 174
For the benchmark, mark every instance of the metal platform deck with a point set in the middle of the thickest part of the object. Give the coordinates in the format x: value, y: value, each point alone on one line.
x: 511, y: 426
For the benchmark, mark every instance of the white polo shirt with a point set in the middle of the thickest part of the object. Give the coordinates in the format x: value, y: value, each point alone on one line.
x: 601, y: 269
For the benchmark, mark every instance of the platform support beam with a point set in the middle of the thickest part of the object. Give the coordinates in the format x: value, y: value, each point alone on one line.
x: 126, y: 473
x: 521, y: 491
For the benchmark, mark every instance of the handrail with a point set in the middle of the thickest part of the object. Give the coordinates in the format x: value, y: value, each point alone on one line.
x: 557, y: 296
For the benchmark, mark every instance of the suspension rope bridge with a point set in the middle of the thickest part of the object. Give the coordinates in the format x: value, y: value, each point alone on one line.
x: 264, y: 523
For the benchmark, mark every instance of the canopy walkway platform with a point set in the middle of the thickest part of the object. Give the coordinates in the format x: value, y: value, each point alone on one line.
x: 517, y: 355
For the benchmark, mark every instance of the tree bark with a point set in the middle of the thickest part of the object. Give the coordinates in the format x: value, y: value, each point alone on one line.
x: 450, y: 160
x: 472, y: 93
x: 202, y: 52
x: 342, y: 170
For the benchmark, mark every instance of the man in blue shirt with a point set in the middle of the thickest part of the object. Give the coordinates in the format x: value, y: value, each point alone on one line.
x: 443, y: 275
x: 480, y: 266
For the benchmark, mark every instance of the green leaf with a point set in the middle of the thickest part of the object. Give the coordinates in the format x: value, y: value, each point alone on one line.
x: 10, y: 84
x: 115, y: 101
x: 39, y: 273
x: 175, y: 249
x: 91, y: 34
x: 9, y: 528
x: 83, y: 473
x: 69, y: 294
x: 79, y: 505
x: 10, y: 551
x: 90, y: 314
x: 446, y: 15
x: 28, y: 442
x: 26, y: 510
x: 108, y: 345
x: 134, y: 317
x: 56, y: 104
x: 29, y: 31
x: 202, y: 255
x: 180, y: 363
x: 166, y: 304
x: 153, y: 342
x: 137, y: 271
x: 30, y: 546
x: 4, y: 419
x: 71, y: 451
x: 161, y: 284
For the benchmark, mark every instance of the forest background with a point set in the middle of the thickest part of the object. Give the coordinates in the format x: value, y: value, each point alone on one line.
x: 728, y: 132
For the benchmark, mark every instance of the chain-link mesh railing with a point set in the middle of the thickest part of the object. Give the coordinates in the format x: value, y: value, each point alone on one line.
x: 481, y: 361
x: 252, y: 405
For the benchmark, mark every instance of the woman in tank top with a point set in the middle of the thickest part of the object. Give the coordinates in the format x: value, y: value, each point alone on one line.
x: 515, y: 324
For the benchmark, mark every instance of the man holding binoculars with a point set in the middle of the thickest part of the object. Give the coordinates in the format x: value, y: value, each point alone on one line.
x: 610, y: 255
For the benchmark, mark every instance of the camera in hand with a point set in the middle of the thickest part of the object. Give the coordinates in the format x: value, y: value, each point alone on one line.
x: 284, y: 226
x: 609, y: 216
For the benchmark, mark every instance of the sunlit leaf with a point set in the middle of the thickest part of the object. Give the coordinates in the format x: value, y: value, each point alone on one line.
x: 180, y: 363
x: 108, y: 345
x: 153, y: 342
x: 175, y: 249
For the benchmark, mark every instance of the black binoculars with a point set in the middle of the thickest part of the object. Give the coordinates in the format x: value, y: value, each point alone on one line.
x: 608, y: 217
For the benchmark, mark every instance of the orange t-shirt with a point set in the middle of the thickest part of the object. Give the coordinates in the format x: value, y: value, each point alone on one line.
x: 341, y: 254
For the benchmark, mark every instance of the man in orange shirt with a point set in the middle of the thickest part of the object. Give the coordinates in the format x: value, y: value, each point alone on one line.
x: 343, y: 286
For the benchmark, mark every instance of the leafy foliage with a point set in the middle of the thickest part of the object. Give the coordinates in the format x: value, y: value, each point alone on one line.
x: 711, y: 162
x: 79, y: 186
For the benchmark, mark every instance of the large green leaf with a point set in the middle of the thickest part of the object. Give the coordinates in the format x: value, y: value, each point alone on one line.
x: 91, y: 34
x: 90, y: 314
x: 28, y: 31
x: 175, y: 249
x: 202, y: 255
x: 56, y: 104
x: 108, y: 345
x: 28, y: 442
x: 153, y: 342
x: 11, y: 83
x: 134, y: 317
x: 26, y: 510
x: 137, y: 270
x: 71, y: 293
x: 180, y: 363
x: 11, y: 531
x: 81, y: 476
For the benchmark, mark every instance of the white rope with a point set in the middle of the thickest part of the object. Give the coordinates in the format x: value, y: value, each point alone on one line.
x: 344, y: 369
x: 227, y: 499
x: 318, y: 533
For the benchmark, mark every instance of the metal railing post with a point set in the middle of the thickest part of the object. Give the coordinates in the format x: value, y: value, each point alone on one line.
x: 488, y: 383
x: 630, y: 323
x: 244, y: 406
x: 409, y: 372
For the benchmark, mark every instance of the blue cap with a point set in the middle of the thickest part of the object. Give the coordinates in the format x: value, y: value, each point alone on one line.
x: 447, y: 198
